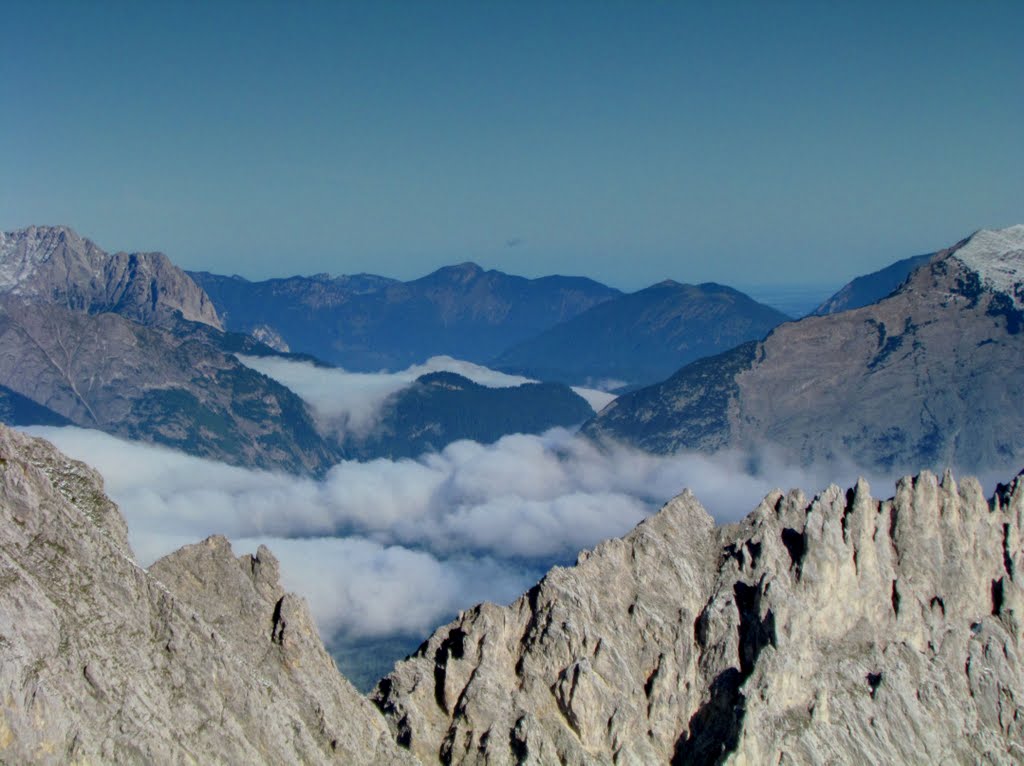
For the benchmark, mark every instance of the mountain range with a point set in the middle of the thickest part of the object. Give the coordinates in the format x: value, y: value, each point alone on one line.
x: 130, y: 345
x: 841, y: 629
x: 563, y: 329
x: 925, y: 375
x: 369, y: 323
x: 929, y: 376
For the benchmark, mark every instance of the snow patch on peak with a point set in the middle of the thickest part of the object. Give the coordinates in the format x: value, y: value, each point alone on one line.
x: 22, y: 251
x: 997, y: 255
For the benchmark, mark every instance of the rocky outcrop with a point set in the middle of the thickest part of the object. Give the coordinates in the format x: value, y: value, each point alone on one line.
x: 928, y: 377
x: 840, y: 630
x: 843, y: 629
x: 203, y: 659
x: 53, y: 265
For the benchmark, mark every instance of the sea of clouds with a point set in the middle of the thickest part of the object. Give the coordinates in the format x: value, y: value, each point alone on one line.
x: 390, y: 548
x: 396, y: 547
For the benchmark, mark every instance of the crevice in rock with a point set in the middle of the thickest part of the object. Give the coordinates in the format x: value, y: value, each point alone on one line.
x: 874, y: 680
x: 1007, y: 558
x: 997, y: 597
x: 279, y: 624
x: 452, y: 647
x: 533, y: 599
x: 754, y: 549
x: 895, y: 599
x: 938, y: 602
x: 714, y: 730
x: 517, y: 743
x: 652, y: 677
x: 796, y: 546
x: 847, y: 509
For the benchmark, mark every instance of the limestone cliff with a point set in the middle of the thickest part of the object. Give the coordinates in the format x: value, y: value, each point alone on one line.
x: 840, y: 630
x: 54, y: 265
x: 203, y: 659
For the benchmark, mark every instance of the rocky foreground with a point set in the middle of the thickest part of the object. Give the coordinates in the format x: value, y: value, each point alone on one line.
x: 840, y: 630
x: 203, y: 659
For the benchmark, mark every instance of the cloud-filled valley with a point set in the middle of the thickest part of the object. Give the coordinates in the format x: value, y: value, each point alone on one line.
x: 393, y: 548
x: 351, y: 401
x: 386, y: 547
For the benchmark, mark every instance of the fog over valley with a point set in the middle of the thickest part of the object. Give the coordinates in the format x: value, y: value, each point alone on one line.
x: 386, y: 550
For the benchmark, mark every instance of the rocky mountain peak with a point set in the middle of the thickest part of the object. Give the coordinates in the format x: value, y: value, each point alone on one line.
x: 997, y: 255
x: 459, y: 273
x: 53, y: 264
x: 844, y: 629
x: 918, y: 379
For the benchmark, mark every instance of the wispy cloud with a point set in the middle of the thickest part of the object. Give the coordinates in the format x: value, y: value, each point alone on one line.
x: 350, y: 402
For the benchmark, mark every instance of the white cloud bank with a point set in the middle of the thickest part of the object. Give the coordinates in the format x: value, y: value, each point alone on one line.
x: 395, y: 547
x: 351, y: 401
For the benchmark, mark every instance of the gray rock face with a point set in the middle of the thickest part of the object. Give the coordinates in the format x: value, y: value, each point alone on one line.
x: 203, y: 659
x: 52, y: 264
x: 841, y: 630
x: 928, y: 377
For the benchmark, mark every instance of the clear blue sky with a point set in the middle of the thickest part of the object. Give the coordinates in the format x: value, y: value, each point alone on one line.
x: 737, y: 142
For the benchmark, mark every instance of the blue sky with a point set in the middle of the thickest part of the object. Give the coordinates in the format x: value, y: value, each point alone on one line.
x: 738, y: 142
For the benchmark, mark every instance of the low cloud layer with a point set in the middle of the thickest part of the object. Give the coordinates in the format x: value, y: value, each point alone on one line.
x: 395, y: 547
x: 351, y: 401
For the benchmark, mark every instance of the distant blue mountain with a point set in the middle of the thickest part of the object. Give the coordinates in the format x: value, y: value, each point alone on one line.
x: 871, y: 288
x: 370, y: 323
x: 642, y: 337
x: 443, y: 407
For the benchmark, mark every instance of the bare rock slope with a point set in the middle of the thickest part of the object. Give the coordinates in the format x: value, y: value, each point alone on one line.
x: 840, y: 630
x: 930, y: 377
x: 203, y: 659
x: 129, y: 344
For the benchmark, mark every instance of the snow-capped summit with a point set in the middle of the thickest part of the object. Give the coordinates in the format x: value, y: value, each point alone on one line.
x: 997, y: 255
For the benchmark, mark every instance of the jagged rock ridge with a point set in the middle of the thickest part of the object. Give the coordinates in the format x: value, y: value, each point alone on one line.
x: 841, y: 630
x: 203, y: 659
